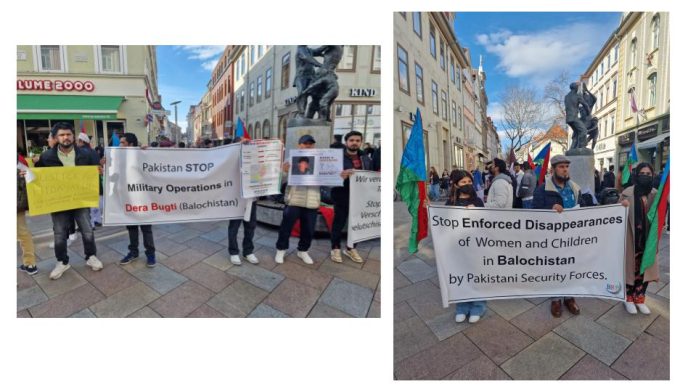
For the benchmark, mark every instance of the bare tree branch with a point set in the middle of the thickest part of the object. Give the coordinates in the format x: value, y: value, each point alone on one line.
x: 523, y: 115
x: 554, y: 93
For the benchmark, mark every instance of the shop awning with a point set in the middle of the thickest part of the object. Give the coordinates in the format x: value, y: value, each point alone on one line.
x: 67, y: 107
x: 651, y: 143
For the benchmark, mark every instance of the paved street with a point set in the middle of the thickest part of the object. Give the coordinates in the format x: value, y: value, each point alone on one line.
x: 519, y: 339
x: 194, y: 278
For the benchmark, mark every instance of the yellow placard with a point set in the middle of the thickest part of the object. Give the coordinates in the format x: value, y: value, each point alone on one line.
x: 63, y: 188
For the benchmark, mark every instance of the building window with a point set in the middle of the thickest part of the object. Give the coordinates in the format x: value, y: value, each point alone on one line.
x: 110, y: 58
x: 419, y: 84
x: 614, y: 84
x: 454, y: 113
x: 269, y: 81
x: 444, y: 104
x: 241, y: 105
x: 354, y: 117
x: 601, y: 68
x: 442, y: 55
x: 435, y: 97
x: 458, y: 79
x: 260, y: 51
x: 252, y: 92
x: 417, y: 24
x: 459, y: 117
x: 403, y: 70
x: 257, y: 131
x: 634, y: 53
x: 655, y: 28
x: 252, y: 56
x: 433, y: 42
x: 51, y: 58
x: 347, y: 62
x: 376, y: 59
x: 616, y: 53
x: 243, y: 63
x: 283, y: 128
x: 611, y: 123
x: 452, y: 79
x: 285, y: 72
x: 652, y: 89
x: 259, y: 88
x: 266, y: 129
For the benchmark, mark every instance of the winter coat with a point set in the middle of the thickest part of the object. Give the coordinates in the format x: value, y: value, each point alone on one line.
x: 652, y: 274
x: 546, y: 194
x: 527, y: 185
x: 303, y: 196
x: 83, y: 157
x: 500, y: 194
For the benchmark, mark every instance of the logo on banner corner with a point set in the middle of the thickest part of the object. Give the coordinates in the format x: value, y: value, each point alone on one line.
x: 614, y: 288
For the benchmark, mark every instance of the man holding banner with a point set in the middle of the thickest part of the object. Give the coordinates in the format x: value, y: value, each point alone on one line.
x: 249, y: 227
x: 353, y: 159
x: 65, y: 153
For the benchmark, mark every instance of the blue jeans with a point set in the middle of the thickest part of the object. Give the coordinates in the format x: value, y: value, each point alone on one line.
x: 528, y: 204
x: 62, y: 222
x: 473, y: 308
x: 434, y: 191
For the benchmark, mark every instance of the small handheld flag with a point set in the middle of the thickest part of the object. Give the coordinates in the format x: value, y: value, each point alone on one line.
x: 541, y: 163
x: 628, y: 167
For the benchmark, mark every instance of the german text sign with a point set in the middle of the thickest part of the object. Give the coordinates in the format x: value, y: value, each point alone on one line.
x: 365, y: 207
x: 165, y: 185
x: 497, y: 253
x: 63, y: 188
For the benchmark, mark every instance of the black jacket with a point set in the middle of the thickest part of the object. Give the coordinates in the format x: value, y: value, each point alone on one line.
x: 546, y: 195
x: 343, y: 192
x: 83, y: 157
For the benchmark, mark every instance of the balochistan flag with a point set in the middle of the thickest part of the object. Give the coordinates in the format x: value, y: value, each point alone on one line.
x: 411, y: 183
x: 241, y: 130
x: 531, y: 162
x: 541, y: 163
x: 628, y: 167
x: 656, y: 217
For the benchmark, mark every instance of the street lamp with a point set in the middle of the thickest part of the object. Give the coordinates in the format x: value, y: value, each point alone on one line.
x: 176, y: 119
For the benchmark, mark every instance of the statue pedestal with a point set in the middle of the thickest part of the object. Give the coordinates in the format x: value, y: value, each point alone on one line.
x: 582, y: 168
x: 319, y: 129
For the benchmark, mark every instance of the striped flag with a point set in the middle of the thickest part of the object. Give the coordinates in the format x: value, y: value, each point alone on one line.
x: 241, y: 130
x: 628, y: 167
x: 411, y: 183
x: 541, y: 163
x: 656, y: 217
x: 531, y: 162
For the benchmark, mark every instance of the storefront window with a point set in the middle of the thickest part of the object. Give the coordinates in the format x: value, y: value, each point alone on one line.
x: 362, y: 118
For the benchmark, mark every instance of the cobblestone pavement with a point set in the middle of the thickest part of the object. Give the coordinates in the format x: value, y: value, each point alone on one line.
x: 519, y: 339
x: 194, y: 278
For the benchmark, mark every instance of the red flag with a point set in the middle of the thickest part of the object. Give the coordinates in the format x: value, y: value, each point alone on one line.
x: 530, y: 161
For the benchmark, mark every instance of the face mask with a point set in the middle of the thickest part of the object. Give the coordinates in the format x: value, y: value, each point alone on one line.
x: 468, y: 189
x: 644, y: 180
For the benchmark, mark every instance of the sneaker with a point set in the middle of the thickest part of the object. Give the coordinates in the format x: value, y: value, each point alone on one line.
x: 151, y: 262
x: 474, y: 319
x: 354, y: 255
x: 336, y: 255
x: 643, y: 308
x: 29, y: 269
x: 234, y: 259
x: 94, y: 262
x: 630, y: 307
x: 58, y: 270
x: 251, y: 258
x: 305, y: 257
x: 460, y: 317
x: 128, y: 258
x: 280, y: 256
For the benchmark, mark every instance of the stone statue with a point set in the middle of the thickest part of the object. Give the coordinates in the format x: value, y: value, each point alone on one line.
x: 320, y: 84
x: 591, y: 123
x: 304, y: 64
x: 574, y: 102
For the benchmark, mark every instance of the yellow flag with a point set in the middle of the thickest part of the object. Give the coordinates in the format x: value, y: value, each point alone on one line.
x: 63, y: 188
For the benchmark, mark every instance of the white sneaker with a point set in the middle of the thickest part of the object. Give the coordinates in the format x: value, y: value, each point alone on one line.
x: 234, y: 259
x: 459, y: 317
x: 336, y: 255
x: 473, y: 319
x: 251, y: 258
x: 305, y: 257
x: 71, y: 238
x: 630, y: 307
x: 280, y: 256
x: 643, y: 308
x: 94, y: 262
x: 58, y: 270
x: 354, y: 255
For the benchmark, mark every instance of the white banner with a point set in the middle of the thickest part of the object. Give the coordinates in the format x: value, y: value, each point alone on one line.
x: 261, y: 164
x: 165, y: 185
x: 364, y: 214
x: 316, y: 166
x: 500, y: 253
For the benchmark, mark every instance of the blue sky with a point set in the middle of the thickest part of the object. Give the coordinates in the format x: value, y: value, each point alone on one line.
x: 183, y: 75
x: 531, y: 48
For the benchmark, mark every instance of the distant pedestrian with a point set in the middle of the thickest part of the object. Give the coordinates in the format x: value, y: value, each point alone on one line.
x: 463, y: 194
x: 527, y: 186
x: 444, y: 182
x: 609, y: 179
x: 501, y: 192
x: 518, y: 174
x: 434, y: 184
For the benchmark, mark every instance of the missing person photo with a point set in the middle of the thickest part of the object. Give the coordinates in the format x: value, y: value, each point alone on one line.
x: 302, y: 166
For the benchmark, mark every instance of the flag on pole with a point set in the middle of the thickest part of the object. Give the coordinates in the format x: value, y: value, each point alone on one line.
x: 541, y: 163
x: 531, y: 162
x: 241, y: 131
x: 411, y: 183
x: 628, y: 167
x: 634, y: 106
x: 656, y: 219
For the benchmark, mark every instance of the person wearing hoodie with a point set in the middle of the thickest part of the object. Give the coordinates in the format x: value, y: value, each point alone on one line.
x: 557, y: 193
x: 500, y: 194
x: 463, y: 194
x: 527, y: 186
